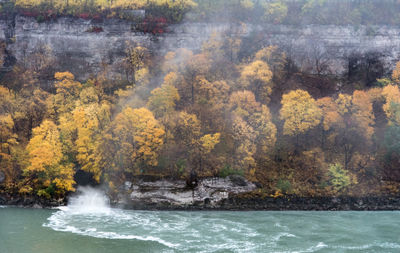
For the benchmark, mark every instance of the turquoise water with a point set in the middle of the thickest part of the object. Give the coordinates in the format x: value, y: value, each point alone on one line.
x: 113, y: 230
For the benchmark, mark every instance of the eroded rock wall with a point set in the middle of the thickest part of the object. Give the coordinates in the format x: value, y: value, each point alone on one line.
x: 82, y: 52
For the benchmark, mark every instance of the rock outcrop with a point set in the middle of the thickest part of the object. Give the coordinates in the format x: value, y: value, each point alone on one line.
x: 167, y: 194
x: 80, y: 50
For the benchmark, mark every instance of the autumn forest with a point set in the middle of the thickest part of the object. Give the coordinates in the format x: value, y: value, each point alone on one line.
x: 230, y: 108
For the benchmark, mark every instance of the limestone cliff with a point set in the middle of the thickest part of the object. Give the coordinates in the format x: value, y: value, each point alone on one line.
x: 80, y: 50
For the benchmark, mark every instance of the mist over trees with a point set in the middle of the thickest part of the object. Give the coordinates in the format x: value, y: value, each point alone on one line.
x: 228, y: 108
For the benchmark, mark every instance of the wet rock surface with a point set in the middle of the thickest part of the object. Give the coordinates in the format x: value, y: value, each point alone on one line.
x: 230, y: 194
x: 209, y: 193
x: 30, y: 201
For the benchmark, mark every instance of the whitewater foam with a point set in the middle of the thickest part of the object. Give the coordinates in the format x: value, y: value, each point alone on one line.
x: 90, y: 208
x: 88, y: 200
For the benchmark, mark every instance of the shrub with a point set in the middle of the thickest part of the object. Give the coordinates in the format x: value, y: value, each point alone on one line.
x: 227, y: 170
x: 284, y: 186
x: 340, y: 178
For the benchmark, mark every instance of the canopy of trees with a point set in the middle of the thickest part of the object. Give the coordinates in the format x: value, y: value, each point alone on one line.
x: 228, y: 108
x: 271, y: 11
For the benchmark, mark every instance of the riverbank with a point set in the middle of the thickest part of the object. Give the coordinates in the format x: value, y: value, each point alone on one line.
x: 287, y: 203
x: 233, y: 193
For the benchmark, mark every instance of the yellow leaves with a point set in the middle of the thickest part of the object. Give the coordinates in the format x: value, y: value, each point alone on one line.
x: 6, y: 100
x: 142, y: 76
x: 244, y: 136
x: 140, y: 137
x: 266, y: 130
x: 89, y: 95
x: 175, y: 61
x: 67, y: 91
x: 213, y: 45
x: 243, y: 103
x: 344, y: 103
x: 391, y: 94
x: 136, y: 56
x: 64, y: 75
x: 162, y: 100
x: 65, y: 178
x: 396, y: 73
x: 188, y: 128
x: 257, y: 71
x: 74, y: 6
x: 25, y: 189
x: 300, y: 112
x: 209, y: 141
x: 362, y: 113
x: 247, y: 4
x: 276, y: 11
x: 44, y: 148
x: 45, y: 158
x: 330, y: 112
x: 89, y: 121
x: 8, y: 140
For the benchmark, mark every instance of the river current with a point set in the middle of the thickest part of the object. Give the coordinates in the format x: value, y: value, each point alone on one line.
x: 87, y: 224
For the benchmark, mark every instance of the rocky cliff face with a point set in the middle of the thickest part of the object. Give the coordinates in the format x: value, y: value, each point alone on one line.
x: 80, y: 50
x: 175, y: 194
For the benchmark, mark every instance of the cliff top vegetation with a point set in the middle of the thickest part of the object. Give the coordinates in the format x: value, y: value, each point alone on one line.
x: 289, y: 12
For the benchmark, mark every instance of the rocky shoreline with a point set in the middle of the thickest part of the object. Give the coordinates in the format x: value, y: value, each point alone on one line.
x: 287, y: 203
x: 226, y: 194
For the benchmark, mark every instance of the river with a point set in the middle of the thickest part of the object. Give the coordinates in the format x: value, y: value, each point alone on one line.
x: 89, y: 225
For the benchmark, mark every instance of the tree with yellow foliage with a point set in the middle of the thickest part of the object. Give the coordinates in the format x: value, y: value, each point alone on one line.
x: 135, y: 63
x: 266, y: 130
x: 8, y: 141
x: 48, y: 172
x: 243, y: 103
x: 90, y: 120
x: 132, y: 142
x: 67, y: 90
x: 348, y: 123
x: 245, y: 146
x: 257, y: 77
x: 300, y: 112
x: 396, y: 73
x: 163, y: 100
x: 391, y: 95
x: 275, y: 11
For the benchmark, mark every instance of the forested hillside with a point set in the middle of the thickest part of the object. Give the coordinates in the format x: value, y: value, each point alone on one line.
x: 228, y: 108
